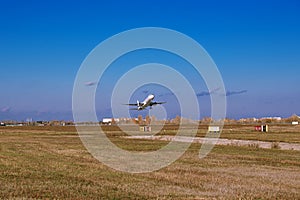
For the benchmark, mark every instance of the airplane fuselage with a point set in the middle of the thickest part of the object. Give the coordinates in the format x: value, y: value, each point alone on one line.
x: 146, y: 102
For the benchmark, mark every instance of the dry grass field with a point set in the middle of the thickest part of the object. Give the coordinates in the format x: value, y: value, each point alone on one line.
x: 52, y: 163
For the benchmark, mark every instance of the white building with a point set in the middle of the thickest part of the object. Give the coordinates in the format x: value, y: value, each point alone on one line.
x: 109, y: 120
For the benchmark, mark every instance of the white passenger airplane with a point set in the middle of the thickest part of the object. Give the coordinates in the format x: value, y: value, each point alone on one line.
x: 147, y: 102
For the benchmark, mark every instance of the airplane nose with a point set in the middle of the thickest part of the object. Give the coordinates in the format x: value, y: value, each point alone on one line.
x: 151, y: 96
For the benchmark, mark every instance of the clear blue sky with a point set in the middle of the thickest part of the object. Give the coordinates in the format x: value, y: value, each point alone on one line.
x: 255, y: 44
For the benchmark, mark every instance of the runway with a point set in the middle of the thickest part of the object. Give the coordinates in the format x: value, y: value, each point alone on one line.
x: 221, y: 141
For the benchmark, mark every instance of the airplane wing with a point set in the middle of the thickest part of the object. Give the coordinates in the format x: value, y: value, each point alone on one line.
x: 155, y: 103
x: 133, y: 109
x: 131, y: 104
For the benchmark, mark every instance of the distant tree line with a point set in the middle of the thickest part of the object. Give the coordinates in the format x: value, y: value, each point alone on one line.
x: 154, y: 121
